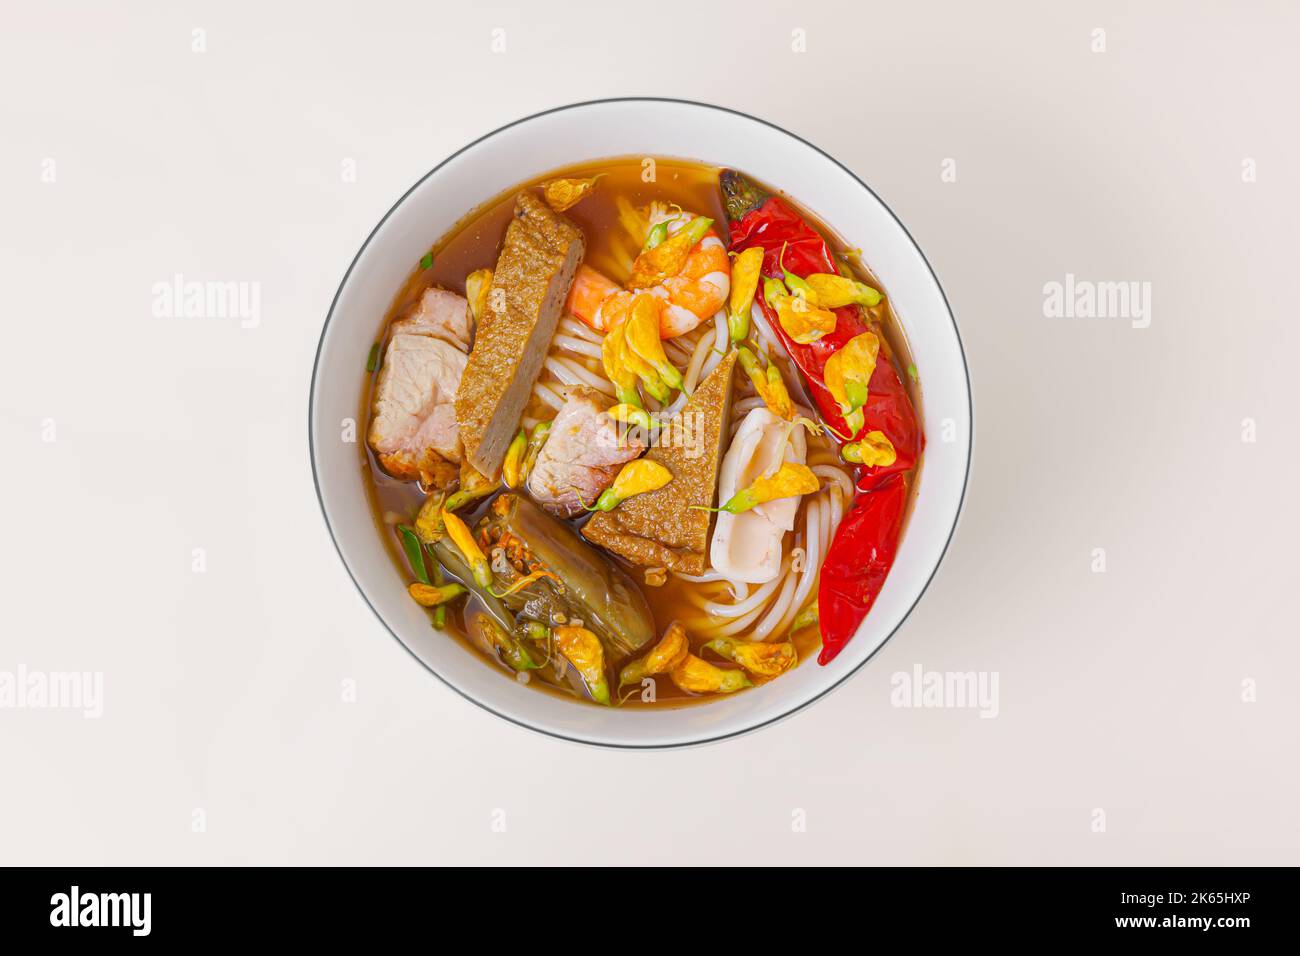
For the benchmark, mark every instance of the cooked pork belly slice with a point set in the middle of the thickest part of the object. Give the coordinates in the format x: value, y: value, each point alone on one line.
x: 748, y: 546
x: 532, y: 277
x: 442, y: 314
x: 582, y: 454
x: 413, y: 428
x: 660, y: 528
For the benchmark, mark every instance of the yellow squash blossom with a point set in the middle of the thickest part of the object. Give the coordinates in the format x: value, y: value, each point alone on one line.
x: 477, y: 284
x: 431, y: 595
x: 668, y: 258
x: 641, y: 335
x: 768, y: 383
x: 582, y: 649
x: 847, y: 374
x: 802, y: 321
x: 634, y: 478
x: 744, y: 283
x: 832, y: 291
x: 700, y: 677
x: 631, y: 415
x: 874, y: 448
x: 791, y: 480
x: 757, y: 657
x: 663, y: 657
x: 463, y: 538
x: 562, y: 194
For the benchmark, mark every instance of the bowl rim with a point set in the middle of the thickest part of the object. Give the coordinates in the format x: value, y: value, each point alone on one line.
x: 604, y: 744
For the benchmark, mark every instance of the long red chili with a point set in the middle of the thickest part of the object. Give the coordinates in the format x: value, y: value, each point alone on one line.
x: 863, y: 548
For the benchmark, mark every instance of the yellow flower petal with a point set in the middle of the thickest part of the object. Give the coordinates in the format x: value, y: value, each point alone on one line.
x: 663, y: 657
x: 832, y: 291
x: 853, y: 362
x: 640, y: 476
x: 802, y: 321
x: 477, y: 284
x: 701, y: 677
x: 789, y: 481
x: 874, y: 448
x: 562, y: 194
x: 745, y: 272
x: 757, y: 657
x: 582, y: 649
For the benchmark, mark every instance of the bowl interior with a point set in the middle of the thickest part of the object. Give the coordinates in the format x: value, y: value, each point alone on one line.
x: 597, y: 130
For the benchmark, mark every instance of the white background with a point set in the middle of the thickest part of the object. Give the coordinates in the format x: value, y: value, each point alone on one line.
x: 1120, y: 691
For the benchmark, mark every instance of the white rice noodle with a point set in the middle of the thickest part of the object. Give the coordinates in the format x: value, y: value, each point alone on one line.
x: 571, y: 373
x: 579, y: 329
x: 695, y: 368
x: 573, y: 344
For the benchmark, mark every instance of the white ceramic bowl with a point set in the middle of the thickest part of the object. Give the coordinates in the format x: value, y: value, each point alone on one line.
x: 636, y: 127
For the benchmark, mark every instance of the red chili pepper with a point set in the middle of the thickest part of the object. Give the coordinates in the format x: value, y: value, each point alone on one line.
x: 863, y: 548
x: 859, y: 559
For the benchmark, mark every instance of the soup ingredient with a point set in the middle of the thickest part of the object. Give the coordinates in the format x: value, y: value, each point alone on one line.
x: 689, y: 271
x: 513, y: 651
x: 790, y: 481
x: 663, y: 528
x: 413, y: 430
x: 372, y: 361
x: 801, y: 320
x: 635, y: 478
x: 590, y: 290
x: 562, y: 194
x: 748, y: 546
x: 862, y: 550
x: 858, y: 562
x: 536, y: 439
x: 847, y: 374
x: 872, y: 449
x: 473, y: 555
x: 622, y: 362
x: 432, y: 595
x: 768, y: 383
x: 473, y: 486
x: 582, y: 649
x: 450, y: 559
x: 414, y: 553
x: 805, y: 618
x: 745, y: 273
x: 428, y: 520
x: 514, y: 461
x: 757, y: 657
x: 696, y: 676
x: 594, y: 589
x: 477, y: 285
x: 642, y: 337
x: 668, y: 258
x: 532, y: 277
x: 526, y: 580
x: 631, y: 415
x: 663, y: 657
x: 442, y: 314
x: 791, y: 244
x: 833, y: 291
x: 581, y: 454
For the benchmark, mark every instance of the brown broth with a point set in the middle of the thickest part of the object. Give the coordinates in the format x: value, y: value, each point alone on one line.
x: 474, y: 243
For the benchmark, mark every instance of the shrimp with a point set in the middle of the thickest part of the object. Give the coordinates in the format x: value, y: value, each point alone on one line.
x: 698, y: 290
